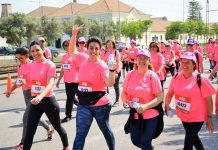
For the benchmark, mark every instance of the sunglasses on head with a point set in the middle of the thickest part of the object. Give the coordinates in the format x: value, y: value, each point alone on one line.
x: 81, y: 42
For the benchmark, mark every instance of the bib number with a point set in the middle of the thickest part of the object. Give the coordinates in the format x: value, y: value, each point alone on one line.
x: 84, y: 87
x: 20, y: 81
x: 131, y: 52
x: 183, y: 103
x: 37, y: 87
x: 66, y: 66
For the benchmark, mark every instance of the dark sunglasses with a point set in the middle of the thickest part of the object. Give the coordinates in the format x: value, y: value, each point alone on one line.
x: 42, y: 41
x: 153, y: 46
x: 66, y: 45
x: 190, y: 45
x: 81, y: 42
x: 167, y: 46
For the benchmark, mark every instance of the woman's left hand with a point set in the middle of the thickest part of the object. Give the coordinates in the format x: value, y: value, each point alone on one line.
x: 141, y: 109
x: 209, y: 125
x: 36, y: 100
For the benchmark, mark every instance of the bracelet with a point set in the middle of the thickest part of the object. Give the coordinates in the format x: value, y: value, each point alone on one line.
x: 209, y: 116
x: 111, y: 70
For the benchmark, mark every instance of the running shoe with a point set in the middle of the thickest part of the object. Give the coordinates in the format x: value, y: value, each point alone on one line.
x: 18, y: 147
x: 50, y: 134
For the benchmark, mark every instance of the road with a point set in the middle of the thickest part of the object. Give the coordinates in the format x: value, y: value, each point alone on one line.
x: 11, y: 111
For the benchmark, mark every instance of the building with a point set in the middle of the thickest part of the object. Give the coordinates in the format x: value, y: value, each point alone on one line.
x: 6, y: 10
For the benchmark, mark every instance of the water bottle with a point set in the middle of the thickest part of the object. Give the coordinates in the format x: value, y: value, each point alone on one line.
x: 111, y: 61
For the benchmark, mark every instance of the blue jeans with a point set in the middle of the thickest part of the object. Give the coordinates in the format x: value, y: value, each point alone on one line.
x: 143, y: 139
x: 84, y: 118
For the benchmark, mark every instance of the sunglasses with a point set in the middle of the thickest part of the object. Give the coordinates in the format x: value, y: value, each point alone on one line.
x: 81, y: 42
x: 109, y: 44
x: 66, y: 45
x: 153, y: 46
x: 190, y: 45
x: 167, y: 46
x: 42, y: 41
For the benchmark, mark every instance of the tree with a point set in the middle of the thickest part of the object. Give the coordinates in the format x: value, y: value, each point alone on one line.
x: 215, y: 29
x: 79, y: 21
x: 13, y: 28
x: 95, y: 28
x: 194, y: 10
x: 174, y: 30
x: 32, y: 25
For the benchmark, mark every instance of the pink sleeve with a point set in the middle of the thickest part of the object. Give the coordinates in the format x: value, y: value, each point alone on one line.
x: 161, y: 59
x: 207, y: 88
x: 156, y: 85
x: 48, y: 53
x: 126, y: 80
x: 172, y: 83
x: 200, y: 57
x: 52, y: 70
x: 104, y: 71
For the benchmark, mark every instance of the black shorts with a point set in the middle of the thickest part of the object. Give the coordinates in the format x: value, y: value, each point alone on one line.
x: 125, y: 65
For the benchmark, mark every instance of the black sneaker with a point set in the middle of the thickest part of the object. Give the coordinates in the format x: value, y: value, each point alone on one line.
x: 116, y: 104
x: 66, y: 119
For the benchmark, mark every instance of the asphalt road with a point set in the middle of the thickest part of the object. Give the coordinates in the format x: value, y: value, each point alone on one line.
x: 11, y: 111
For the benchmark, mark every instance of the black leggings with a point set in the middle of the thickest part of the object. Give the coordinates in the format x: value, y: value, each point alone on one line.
x: 51, y: 108
x: 191, y: 135
x: 131, y: 65
x: 116, y: 87
x: 125, y: 65
x: 177, y: 66
x: 71, y: 90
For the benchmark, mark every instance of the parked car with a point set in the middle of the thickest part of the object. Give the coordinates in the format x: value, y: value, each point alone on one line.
x: 6, y: 51
x: 54, y: 51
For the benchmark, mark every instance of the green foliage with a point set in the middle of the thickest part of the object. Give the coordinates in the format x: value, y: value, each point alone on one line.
x: 13, y: 28
x: 79, y: 21
x: 215, y: 29
x: 135, y: 29
x: 174, y: 30
x: 194, y: 10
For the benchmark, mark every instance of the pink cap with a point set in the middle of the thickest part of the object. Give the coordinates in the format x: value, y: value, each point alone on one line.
x: 81, y: 39
x: 167, y: 44
x: 196, y: 42
x: 41, y: 38
x: 133, y: 41
x: 189, y: 55
x: 175, y: 41
x: 144, y: 52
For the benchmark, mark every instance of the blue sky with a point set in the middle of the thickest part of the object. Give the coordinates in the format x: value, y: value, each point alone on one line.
x: 172, y: 9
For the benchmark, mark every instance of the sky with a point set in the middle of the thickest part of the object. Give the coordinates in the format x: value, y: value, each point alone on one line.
x: 172, y: 9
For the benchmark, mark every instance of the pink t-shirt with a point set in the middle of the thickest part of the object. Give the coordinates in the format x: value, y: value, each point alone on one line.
x: 39, y: 74
x: 162, y: 49
x: 93, y: 75
x: 190, y: 100
x: 211, y: 52
x: 157, y: 60
x: 201, y: 59
x: 83, y: 51
x: 177, y: 49
x: 133, y: 53
x: 124, y: 55
x: 199, y: 49
x: 116, y: 54
x: 47, y: 53
x: 71, y: 66
x: 168, y: 57
x: 142, y: 87
x: 23, y: 76
x: 216, y: 53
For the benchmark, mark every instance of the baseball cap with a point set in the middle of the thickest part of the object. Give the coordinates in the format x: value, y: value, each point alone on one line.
x: 196, y: 42
x: 144, y: 52
x: 189, y: 55
x: 191, y: 41
x: 133, y: 41
x: 81, y: 39
x: 41, y: 38
x: 213, y: 40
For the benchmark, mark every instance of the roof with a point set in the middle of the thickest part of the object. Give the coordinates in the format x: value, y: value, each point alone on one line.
x: 108, y: 6
x: 42, y: 11
x: 68, y: 10
x: 159, y: 25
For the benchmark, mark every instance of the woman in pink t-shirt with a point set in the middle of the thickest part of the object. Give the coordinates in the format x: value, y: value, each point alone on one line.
x: 94, y: 103
x: 132, y: 54
x: 42, y: 76
x: 142, y: 92
x: 124, y: 60
x: 82, y: 45
x: 177, y: 48
x: 157, y: 60
x: 112, y: 52
x: 193, y: 99
x: 169, y: 59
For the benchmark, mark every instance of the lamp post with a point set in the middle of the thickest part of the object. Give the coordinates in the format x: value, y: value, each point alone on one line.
x: 119, y: 21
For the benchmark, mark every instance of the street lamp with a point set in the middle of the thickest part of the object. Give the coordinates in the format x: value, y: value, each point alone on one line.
x: 119, y: 21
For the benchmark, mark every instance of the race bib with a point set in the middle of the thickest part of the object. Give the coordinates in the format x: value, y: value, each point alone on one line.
x: 124, y: 56
x: 85, y: 87
x: 20, y: 81
x: 132, y: 52
x: 183, y: 103
x: 166, y: 59
x: 177, y: 57
x: 66, y: 66
x: 37, y: 87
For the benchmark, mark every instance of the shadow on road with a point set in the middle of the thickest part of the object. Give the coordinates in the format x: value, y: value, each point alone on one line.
x: 6, y: 148
x: 119, y: 112
x: 15, y: 110
x: 16, y: 125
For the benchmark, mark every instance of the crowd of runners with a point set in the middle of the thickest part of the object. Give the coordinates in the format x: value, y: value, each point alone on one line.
x: 88, y: 68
